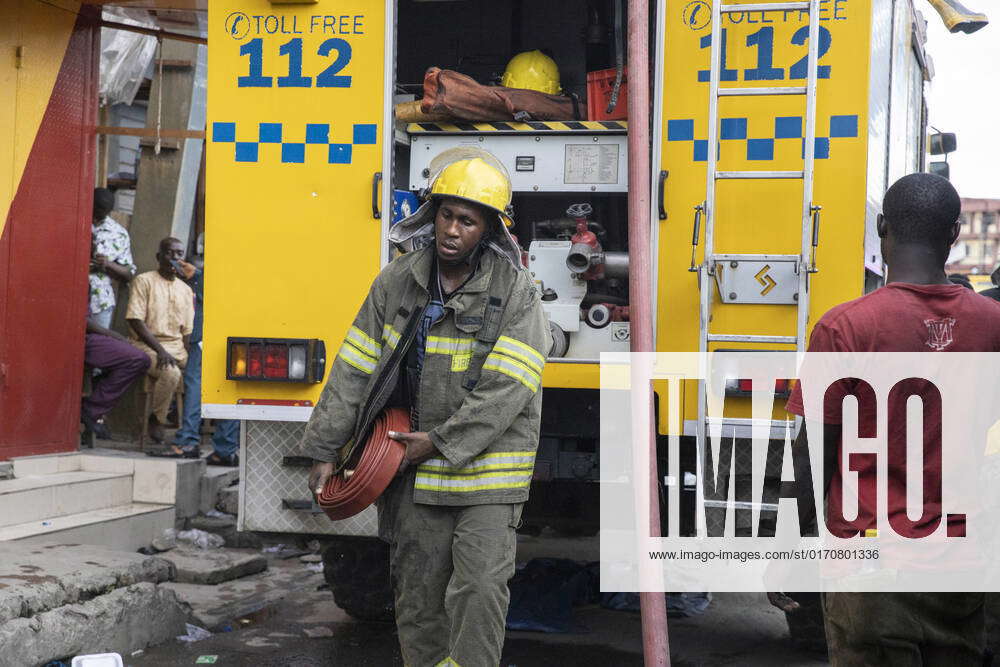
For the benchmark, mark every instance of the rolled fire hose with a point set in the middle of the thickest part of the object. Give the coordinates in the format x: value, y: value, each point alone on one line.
x: 352, y: 491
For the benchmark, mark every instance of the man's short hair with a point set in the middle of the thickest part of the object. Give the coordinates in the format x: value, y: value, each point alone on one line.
x: 104, y: 201
x: 167, y: 241
x: 921, y: 208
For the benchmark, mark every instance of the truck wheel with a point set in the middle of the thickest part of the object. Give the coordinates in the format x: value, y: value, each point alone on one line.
x: 357, y: 570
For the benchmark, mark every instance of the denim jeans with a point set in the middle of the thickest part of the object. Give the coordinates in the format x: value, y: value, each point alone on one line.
x: 226, y: 439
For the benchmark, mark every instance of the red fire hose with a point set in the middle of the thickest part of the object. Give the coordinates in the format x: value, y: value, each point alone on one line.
x: 352, y: 491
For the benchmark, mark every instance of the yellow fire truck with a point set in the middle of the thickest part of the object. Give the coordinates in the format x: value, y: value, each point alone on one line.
x: 776, y: 128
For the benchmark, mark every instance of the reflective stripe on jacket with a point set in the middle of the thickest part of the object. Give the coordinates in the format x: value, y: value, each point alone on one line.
x: 487, y: 436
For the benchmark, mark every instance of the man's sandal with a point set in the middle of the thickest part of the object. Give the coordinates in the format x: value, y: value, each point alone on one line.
x: 175, y: 452
x: 214, y: 459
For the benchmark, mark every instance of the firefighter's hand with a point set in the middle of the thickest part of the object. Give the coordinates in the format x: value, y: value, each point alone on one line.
x: 319, y: 475
x: 782, y: 602
x: 419, y: 448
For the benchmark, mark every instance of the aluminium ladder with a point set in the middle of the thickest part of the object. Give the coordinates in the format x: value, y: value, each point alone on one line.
x: 714, y: 264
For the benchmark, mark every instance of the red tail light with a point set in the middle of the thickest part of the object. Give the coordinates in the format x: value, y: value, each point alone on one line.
x: 255, y: 363
x: 276, y: 362
x: 276, y: 359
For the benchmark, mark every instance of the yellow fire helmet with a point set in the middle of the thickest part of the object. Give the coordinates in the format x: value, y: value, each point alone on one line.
x: 532, y: 70
x: 469, y: 173
x: 478, y: 181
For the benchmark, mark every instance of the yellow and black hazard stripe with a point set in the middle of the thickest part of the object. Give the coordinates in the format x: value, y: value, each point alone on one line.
x: 535, y: 126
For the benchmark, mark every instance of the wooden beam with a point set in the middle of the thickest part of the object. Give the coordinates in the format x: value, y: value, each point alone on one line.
x: 149, y: 132
x: 174, y: 63
x: 154, y: 32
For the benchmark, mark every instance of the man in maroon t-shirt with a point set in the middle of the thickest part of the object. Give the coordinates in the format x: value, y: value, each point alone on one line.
x: 919, y: 309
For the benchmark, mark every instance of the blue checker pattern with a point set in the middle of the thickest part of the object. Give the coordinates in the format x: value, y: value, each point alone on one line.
x: 292, y: 147
x: 761, y: 148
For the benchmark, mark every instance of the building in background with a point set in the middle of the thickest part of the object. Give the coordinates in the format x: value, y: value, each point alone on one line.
x: 976, y: 252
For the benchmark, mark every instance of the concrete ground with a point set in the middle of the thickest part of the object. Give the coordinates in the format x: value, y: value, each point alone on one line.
x: 310, y: 630
x: 306, y: 628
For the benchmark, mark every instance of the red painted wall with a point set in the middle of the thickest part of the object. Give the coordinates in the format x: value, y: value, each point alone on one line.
x: 44, y: 252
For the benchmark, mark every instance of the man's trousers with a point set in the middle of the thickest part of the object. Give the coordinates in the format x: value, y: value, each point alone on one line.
x: 166, y: 379
x: 450, y: 566
x: 905, y: 629
x: 120, y: 365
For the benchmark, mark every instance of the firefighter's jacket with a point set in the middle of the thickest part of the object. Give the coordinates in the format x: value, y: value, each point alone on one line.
x: 479, y: 396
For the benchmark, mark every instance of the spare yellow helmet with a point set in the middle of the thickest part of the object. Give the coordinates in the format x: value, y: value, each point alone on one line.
x: 532, y: 70
x: 476, y: 180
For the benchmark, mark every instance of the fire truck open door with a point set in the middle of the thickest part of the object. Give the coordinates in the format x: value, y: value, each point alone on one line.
x: 299, y: 136
x: 299, y: 140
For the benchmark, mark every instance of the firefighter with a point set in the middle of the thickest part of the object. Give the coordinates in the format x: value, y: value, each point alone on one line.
x: 453, y: 330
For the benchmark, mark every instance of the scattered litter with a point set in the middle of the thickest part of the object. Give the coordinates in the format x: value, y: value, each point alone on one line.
x: 544, y: 592
x: 46, y: 523
x: 283, y: 551
x: 96, y: 660
x: 136, y: 653
x: 166, y: 541
x: 683, y: 605
x: 620, y: 601
x: 216, y: 514
x: 201, y: 539
x: 311, y: 558
x: 194, y: 634
x: 206, y: 659
x: 314, y: 567
x: 318, y: 632
x: 314, y: 546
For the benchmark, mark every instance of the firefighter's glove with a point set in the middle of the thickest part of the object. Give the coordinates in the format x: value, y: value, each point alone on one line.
x: 419, y: 448
x: 319, y: 475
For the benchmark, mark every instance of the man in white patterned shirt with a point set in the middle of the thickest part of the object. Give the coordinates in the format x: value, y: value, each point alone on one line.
x: 111, y: 257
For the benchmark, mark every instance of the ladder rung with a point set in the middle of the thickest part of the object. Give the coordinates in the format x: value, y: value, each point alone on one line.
x: 758, y: 174
x: 781, y: 90
x: 742, y: 338
x: 763, y: 7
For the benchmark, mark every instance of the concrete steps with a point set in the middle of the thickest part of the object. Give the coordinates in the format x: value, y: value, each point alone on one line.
x: 213, y: 566
x: 213, y: 482
x: 32, y: 499
x: 59, y: 600
x: 222, y: 604
x: 127, y: 527
x: 117, y: 499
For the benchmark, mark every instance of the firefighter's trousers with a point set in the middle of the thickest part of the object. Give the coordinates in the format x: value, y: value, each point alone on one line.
x: 450, y: 566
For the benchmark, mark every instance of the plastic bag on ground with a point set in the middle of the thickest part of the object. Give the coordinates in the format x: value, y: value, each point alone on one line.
x: 194, y: 634
x: 166, y: 541
x: 544, y: 592
x: 201, y: 539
